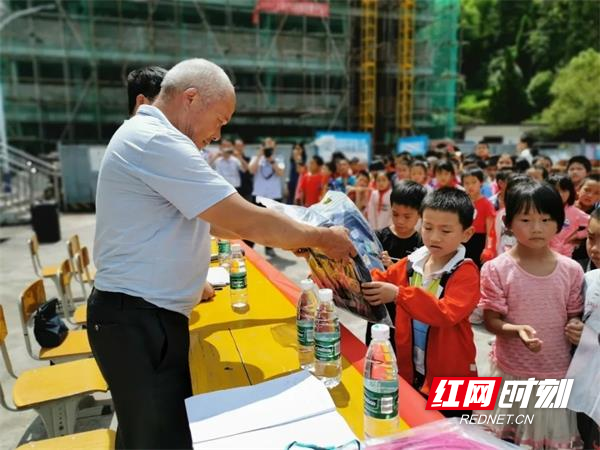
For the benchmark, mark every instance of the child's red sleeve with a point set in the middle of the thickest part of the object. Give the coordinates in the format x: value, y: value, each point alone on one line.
x: 395, y: 274
x: 458, y: 302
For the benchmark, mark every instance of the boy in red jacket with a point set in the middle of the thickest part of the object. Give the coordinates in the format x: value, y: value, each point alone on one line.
x: 435, y: 290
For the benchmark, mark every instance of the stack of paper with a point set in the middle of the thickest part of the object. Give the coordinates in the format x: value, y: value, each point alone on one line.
x: 269, y: 415
x: 218, y: 277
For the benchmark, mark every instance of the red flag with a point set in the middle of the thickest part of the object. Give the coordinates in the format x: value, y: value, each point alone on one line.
x: 290, y: 7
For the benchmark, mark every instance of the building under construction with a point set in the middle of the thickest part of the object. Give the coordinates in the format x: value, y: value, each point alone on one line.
x: 387, y: 67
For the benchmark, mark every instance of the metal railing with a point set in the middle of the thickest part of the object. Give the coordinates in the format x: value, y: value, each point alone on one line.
x: 26, y: 180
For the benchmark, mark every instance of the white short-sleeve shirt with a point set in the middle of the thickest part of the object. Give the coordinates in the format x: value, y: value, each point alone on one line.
x: 266, y: 182
x: 229, y: 168
x: 152, y: 184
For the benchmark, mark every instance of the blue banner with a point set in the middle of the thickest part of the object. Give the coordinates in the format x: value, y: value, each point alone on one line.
x: 352, y: 144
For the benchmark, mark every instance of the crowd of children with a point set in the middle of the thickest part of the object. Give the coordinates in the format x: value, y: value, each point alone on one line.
x: 506, y: 235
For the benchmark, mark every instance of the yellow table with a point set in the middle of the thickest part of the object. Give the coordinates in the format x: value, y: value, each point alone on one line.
x: 230, y: 349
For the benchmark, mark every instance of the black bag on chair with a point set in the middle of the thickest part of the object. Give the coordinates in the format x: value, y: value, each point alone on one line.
x: 48, y: 327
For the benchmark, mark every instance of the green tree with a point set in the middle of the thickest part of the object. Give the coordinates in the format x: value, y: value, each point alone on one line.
x: 575, y: 109
x: 508, y: 101
x: 538, y: 89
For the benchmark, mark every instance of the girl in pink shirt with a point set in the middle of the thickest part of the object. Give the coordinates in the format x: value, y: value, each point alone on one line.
x: 574, y: 229
x: 379, y: 207
x: 528, y: 295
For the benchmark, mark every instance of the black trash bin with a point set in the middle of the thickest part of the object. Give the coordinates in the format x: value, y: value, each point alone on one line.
x: 44, y: 220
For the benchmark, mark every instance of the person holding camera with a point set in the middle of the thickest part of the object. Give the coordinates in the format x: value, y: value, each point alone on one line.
x: 268, y: 176
x: 230, y: 166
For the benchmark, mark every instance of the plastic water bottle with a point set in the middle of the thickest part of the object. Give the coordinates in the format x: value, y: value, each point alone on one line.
x: 238, y: 282
x: 224, y: 253
x: 381, y: 385
x: 305, y: 323
x: 328, y: 361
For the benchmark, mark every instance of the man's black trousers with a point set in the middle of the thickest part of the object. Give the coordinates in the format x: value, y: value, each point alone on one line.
x: 142, y: 352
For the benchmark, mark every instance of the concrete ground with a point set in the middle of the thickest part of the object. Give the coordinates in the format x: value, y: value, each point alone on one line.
x: 16, y: 272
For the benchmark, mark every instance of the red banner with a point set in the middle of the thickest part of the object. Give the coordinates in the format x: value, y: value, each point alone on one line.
x: 291, y: 7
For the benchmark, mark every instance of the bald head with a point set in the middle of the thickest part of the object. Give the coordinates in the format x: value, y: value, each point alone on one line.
x: 197, y: 97
x: 210, y: 80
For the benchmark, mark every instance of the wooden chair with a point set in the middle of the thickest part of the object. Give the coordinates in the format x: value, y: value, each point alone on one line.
x: 40, y: 270
x: 97, y: 440
x: 54, y: 392
x: 66, y: 296
x: 84, y: 273
x: 75, y: 346
x: 73, y: 247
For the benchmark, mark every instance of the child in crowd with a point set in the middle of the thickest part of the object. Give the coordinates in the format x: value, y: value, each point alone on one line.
x: 592, y: 243
x: 418, y: 173
x: 445, y: 174
x: 588, y: 198
x: 400, y: 239
x: 543, y: 161
x: 481, y: 246
x: 578, y: 168
x: 361, y: 192
x: 402, y: 166
x: 379, y: 207
x: 505, y: 161
x: 435, y: 289
x: 328, y: 170
x: 528, y: 295
x: 345, y: 178
x: 575, y: 226
x: 538, y: 173
x: 501, y: 180
x: 588, y: 194
x: 504, y: 238
x: 491, y: 170
x: 311, y: 184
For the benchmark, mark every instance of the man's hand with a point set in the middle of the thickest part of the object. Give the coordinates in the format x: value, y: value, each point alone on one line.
x: 208, y: 292
x: 378, y: 292
x: 336, y: 243
x: 574, y: 330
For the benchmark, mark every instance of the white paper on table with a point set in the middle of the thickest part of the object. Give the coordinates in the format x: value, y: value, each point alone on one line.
x: 217, y: 276
x: 282, y: 407
x: 325, y: 430
x: 585, y: 371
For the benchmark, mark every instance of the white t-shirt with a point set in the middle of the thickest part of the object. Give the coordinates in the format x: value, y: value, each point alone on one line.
x: 152, y: 184
x: 591, y: 292
x: 266, y: 182
x: 229, y: 168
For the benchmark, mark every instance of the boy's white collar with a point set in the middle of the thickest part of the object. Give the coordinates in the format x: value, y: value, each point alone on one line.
x: 419, y: 257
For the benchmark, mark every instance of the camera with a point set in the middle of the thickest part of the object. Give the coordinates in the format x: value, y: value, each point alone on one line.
x: 376, y: 166
x: 268, y: 152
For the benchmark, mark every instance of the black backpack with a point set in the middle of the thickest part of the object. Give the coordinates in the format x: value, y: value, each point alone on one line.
x: 48, y: 328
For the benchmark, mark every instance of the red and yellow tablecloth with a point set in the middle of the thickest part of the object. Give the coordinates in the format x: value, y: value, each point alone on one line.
x: 229, y: 349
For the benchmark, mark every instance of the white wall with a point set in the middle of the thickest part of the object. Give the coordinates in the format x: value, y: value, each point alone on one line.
x: 510, y: 134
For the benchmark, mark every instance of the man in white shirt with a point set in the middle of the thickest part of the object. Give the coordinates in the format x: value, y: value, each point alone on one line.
x: 157, y: 200
x: 230, y: 167
x: 268, y: 176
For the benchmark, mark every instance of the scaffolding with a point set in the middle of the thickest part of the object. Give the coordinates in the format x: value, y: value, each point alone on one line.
x: 63, y: 71
x: 404, y: 89
x: 368, y: 65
